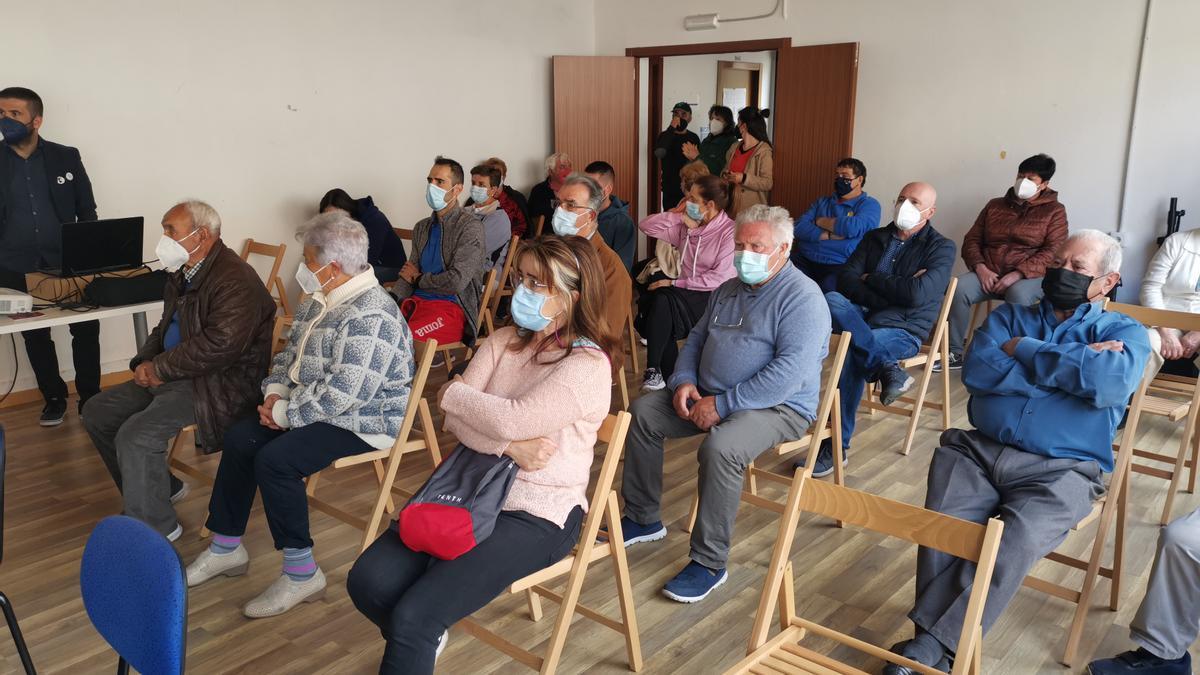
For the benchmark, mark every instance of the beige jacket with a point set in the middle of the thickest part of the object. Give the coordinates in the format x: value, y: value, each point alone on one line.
x: 760, y: 178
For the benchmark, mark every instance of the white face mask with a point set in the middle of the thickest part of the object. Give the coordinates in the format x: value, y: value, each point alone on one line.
x: 479, y: 194
x: 1025, y: 188
x: 308, y: 280
x: 171, y: 253
x: 716, y: 126
x: 907, y: 216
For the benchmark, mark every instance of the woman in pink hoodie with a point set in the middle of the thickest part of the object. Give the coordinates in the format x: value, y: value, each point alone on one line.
x: 703, y: 233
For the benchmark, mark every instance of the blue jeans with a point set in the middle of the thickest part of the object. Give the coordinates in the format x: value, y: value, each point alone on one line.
x: 870, y: 350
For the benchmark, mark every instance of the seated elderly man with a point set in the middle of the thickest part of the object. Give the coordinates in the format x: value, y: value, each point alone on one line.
x: 889, y: 295
x: 201, y: 365
x: 1049, y: 384
x: 749, y: 377
x: 339, y: 388
x: 1168, y: 620
x: 441, y: 284
x: 579, y: 202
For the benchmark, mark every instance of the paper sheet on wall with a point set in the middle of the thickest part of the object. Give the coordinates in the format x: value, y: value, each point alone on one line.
x: 734, y: 99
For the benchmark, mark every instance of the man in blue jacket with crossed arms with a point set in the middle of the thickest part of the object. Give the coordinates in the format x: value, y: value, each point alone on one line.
x: 1049, y: 384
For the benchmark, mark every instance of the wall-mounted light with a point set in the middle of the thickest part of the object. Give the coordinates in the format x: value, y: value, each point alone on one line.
x: 711, y: 21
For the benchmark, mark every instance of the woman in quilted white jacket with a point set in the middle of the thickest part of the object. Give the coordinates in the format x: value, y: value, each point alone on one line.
x: 1173, y: 282
x: 339, y: 388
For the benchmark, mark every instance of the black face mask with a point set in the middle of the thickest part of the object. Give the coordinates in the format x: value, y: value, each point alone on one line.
x: 1065, y: 289
x: 843, y: 186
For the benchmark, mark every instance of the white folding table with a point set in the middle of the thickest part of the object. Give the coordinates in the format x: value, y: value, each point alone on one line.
x: 62, y: 317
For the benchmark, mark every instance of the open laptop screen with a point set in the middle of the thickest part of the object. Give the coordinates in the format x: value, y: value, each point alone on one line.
x: 102, y: 246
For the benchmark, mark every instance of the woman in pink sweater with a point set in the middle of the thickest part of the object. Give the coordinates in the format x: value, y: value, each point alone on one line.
x: 702, y: 232
x: 537, y: 393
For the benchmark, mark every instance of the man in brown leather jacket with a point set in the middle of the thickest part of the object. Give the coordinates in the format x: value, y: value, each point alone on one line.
x: 203, y: 365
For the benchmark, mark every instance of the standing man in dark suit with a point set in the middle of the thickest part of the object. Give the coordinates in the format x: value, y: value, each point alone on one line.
x: 42, y: 186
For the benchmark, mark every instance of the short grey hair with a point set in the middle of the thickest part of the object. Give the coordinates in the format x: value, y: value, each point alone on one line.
x: 202, y: 215
x: 776, y: 216
x: 1110, y: 249
x: 595, y: 192
x: 554, y: 160
x: 337, y: 237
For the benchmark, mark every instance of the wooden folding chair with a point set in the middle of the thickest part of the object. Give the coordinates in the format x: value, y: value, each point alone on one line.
x: 503, y: 287
x: 483, y: 325
x: 273, y: 282
x: 623, y: 380
x: 537, y: 226
x: 1173, y: 397
x: 960, y: 538
x: 386, y: 461
x: 1112, y: 504
x: 828, y: 424
x: 979, y: 314
x: 937, y: 351
x: 601, y: 507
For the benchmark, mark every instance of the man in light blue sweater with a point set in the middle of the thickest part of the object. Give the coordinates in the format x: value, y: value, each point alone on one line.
x: 749, y: 377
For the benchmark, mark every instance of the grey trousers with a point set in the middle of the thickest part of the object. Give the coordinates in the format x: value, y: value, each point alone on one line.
x: 1168, y: 621
x: 968, y: 292
x: 1038, y: 498
x: 724, y: 455
x: 130, y: 427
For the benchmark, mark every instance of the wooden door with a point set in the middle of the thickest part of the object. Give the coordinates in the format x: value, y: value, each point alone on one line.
x: 595, y: 116
x: 814, y: 120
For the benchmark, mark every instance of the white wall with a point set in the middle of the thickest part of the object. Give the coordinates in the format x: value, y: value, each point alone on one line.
x: 694, y: 78
x: 945, y: 88
x: 260, y: 107
x: 1166, y: 139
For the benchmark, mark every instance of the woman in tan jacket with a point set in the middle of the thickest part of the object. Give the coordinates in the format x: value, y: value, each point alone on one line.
x: 750, y: 164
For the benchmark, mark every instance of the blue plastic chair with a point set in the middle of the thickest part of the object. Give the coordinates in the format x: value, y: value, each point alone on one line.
x: 135, y: 593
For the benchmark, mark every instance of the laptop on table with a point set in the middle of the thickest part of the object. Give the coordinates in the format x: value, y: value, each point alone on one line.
x: 100, y: 246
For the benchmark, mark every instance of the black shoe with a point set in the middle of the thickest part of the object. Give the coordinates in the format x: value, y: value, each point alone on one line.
x: 1141, y: 662
x: 54, y: 412
x: 925, y: 650
x: 824, y: 465
x: 954, y: 362
x: 895, y: 381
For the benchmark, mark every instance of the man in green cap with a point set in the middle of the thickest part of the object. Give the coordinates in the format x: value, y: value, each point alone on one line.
x: 669, y: 150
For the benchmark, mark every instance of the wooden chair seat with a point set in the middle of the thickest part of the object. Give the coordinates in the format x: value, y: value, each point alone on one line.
x: 602, y: 507
x: 484, y: 325
x: 929, y: 355
x: 1172, y: 409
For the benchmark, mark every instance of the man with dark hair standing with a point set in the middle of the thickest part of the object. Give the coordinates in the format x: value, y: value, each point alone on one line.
x: 42, y: 186
x: 616, y: 225
x: 1009, y: 247
x: 831, y: 228
x: 668, y: 148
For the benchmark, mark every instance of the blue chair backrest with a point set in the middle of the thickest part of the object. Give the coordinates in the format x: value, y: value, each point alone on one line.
x: 135, y: 593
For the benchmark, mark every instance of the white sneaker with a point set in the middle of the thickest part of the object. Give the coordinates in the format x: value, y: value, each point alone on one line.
x: 208, y: 565
x: 175, y: 533
x: 441, y: 645
x: 285, y: 594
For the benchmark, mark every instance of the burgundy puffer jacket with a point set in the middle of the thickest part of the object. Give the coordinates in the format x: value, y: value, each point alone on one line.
x: 1013, y: 235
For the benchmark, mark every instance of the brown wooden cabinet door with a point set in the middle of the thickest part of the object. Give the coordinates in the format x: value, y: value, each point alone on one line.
x: 595, y: 116
x: 814, y: 120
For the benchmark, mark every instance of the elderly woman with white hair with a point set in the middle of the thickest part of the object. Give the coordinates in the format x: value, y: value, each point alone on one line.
x: 340, y: 387
x: 749, y: 378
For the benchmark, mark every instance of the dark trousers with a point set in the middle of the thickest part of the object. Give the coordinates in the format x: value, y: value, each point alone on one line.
x: 824, y: 275
x: 1038, y: 498
x: 414, y: 597
x: 870, y: 350
x: 276, y: 463
x: 85, y: 352
x: 667, y: 315
x: 386, y: 274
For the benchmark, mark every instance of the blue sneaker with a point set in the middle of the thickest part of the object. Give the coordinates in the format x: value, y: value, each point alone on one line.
x: 636, y: 533
x: 694, y: 583
x: 1141, y: 662
x: 824, y: 465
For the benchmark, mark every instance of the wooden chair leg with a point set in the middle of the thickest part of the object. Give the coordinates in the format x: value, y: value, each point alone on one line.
x: 535, y: 604
x: 780, y: 558
x: 205, y: 533
x: 787, y: 598
x: 1195, y: 457
x: 380, y: 476
x: 946, y: 379
x: 977, y: 654
x: 633, y: 345
x: 310, y: 487
x: 918, y: 404
x: 1176, y: 477
x: 430, y: 432
x: 1114, y: 594
x: 835, y: 421
x: 1091, y: 575
x: 623, y: 384
x: 691, y: 519
x: 633, y: 640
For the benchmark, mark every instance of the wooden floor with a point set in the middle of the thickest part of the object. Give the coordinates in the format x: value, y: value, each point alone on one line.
x: 58, y: 489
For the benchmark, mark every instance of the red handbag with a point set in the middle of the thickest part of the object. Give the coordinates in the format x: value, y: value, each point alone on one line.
x: 440, y: 320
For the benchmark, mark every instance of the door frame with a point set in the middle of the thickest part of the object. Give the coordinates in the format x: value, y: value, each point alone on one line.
x: 654, y: 93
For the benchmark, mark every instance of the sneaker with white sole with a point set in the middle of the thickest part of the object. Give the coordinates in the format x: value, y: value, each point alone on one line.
x: 178, y: 493
x: 653, y: 380
x: 895, y: 381
x: 441, y: 644
x: 636, y: 533
x: 694, y: 583
x: 953, y: 361
x: 285, y: 594
x: 209, y: 565
x: 175, y: 533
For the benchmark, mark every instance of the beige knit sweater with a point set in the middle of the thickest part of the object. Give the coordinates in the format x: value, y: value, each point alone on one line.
x: 506, y: 396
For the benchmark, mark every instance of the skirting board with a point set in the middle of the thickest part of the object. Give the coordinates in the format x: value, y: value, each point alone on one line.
x: 25, y: 396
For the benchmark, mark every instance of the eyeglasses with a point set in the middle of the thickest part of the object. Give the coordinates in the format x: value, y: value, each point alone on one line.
x: 725, y: 321
x: 569, y: 205
x: 529, y: 282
